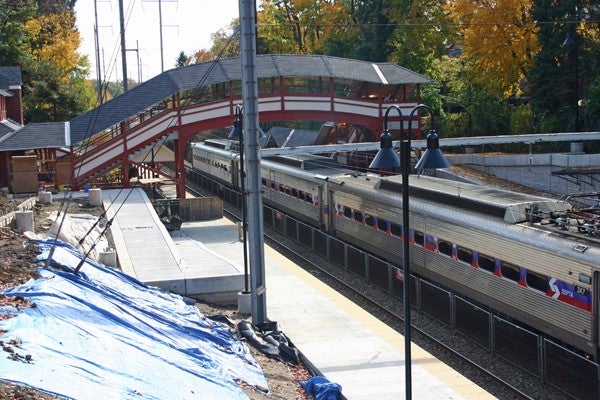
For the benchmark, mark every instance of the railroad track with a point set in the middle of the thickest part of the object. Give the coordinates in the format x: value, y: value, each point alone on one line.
x: 383, y: 306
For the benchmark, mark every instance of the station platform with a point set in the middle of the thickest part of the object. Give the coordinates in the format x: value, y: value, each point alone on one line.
x: 344, y: 343
x: 147, y: 252
x: 341, y: 341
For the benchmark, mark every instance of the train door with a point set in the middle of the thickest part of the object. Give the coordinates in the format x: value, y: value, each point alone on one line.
x: 235, y: 173
x: 323, y: 201
x: 326, y: 197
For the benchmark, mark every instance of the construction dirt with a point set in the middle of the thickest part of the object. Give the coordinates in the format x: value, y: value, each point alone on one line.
x: 17, y: 266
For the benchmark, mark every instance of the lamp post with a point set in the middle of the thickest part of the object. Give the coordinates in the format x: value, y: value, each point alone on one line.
x: 386, y: 158
x: 238, y: 132
x: 574, y: 45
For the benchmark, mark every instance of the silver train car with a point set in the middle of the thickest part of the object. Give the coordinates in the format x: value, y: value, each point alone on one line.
x: 496, y: 247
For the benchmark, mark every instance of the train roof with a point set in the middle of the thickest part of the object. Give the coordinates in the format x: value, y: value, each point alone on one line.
x: 512, y: 207
x: 497, y: 211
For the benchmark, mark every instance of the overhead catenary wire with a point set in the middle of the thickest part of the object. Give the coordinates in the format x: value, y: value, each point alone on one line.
x: 89, y: 129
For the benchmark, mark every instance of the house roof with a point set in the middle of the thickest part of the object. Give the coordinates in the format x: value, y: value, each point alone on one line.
x: 7, y: 126
x: 10, y: 76
x: 291, y: 137
x: 193, y: 76
x: 36, y: 136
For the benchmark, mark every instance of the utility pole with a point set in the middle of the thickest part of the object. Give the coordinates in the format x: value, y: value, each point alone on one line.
x: 97, y: 43
x: 255, y: 215
x: 123, y: 48
x: 139, y: 71
x: 160, y: 31
x: 162, y: 61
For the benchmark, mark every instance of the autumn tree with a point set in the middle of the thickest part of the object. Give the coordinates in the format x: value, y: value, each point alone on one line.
x: 40, y: 37
x: 56, y: 88
x: 499, y: 40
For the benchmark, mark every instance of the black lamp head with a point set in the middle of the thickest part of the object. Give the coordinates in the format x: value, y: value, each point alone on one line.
x: 433, y: 157
x: 236, y: 131
x: 386, y: 157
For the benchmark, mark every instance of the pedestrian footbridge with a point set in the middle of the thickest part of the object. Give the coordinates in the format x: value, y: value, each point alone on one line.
x: 179, y: 103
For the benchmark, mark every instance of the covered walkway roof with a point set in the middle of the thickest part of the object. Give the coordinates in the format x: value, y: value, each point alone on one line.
x: 194, y: 76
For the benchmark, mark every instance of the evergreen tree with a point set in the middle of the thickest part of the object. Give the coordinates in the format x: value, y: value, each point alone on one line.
x: 566, y: 65
x: 182, y: 60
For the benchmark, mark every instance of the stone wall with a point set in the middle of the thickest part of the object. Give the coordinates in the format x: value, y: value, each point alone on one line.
x: 535, y: 170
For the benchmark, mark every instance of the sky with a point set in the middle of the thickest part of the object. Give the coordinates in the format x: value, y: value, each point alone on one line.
x: 186, y: 26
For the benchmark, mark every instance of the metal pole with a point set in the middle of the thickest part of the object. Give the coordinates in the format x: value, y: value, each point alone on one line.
x: 123, y: 49
x: 137, y: 50
x: 97, y: 43
x: 405, y: 160
x: 576, y: 84
x: 162, y: 62
x: 255, y: 215
x: 238, y: 113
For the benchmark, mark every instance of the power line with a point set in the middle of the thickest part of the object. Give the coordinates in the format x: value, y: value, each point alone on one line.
x: 430, y: 24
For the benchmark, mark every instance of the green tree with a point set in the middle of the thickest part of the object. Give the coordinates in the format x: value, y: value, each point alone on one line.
x: 298, y: 26
x: 421, y: 33
x: 14, y: 43
x: 225, y: 43
x: 561, y: 74
x: 591, y: 112
x: 55, y: 85
x: 182, y: 60
x: 50, y: 97
x: 374, y: 29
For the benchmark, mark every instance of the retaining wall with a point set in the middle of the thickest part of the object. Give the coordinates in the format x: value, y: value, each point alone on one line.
x: 535, y: 170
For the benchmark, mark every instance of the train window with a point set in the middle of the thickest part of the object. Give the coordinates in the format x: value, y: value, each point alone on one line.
x: 464, y: 254
x: 382, y: 224
x: 264, y: 182
x: 445, y: 247
x: 486, y: 263
x: 308, y: 197
x: 295, y: 193
x: 419, y: 238
x: 282, y: 188
x: 510, y: 271
x: 347, y: 212
x: 369, y: 220
x: 537, y: 281
x: 396, y: 229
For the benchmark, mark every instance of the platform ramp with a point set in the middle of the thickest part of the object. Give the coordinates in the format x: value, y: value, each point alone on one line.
x: 179, y: 264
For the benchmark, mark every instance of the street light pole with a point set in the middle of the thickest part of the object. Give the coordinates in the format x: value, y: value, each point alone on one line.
x: 238, y: 132
x: 387, y: 158
x: 574, y: 45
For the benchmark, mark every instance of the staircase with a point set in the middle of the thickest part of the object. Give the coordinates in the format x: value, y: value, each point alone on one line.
x: 116, y: 148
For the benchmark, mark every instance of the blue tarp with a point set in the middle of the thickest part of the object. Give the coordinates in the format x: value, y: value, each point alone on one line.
x: 319, y: 388
x: 101, y: 334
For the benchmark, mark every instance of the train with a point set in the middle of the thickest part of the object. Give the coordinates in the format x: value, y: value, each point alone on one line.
x: 527, y: 257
